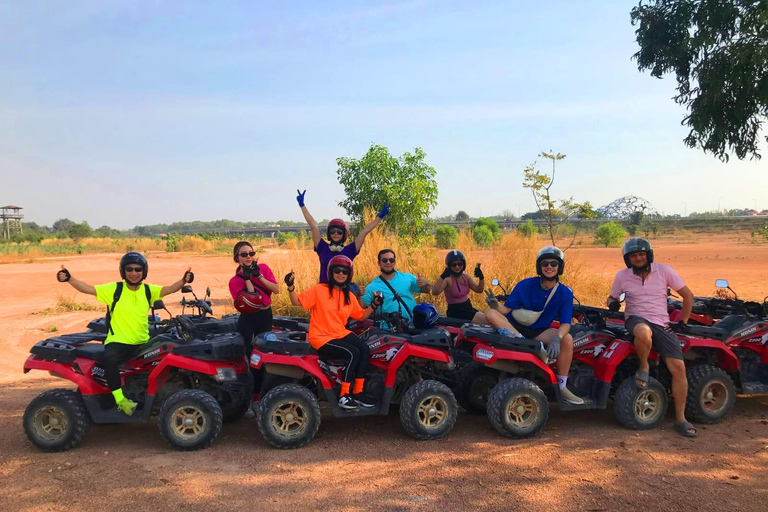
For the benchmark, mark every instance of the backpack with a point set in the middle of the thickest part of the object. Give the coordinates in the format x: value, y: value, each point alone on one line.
x: 116, y: 297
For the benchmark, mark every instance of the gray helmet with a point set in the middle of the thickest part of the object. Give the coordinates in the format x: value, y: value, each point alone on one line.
x: 550, y: 252
x: 634, y: 245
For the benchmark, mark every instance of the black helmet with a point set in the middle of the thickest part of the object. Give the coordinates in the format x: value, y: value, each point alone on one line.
x: 134, y: 257
x: 455, y: 255
x: 550, y: 252
x: 634, y: 245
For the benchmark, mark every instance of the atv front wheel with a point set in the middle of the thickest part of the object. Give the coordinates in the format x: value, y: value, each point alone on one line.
x: 428, y: 410
x: 288, y: 416
x: 517, y: 408
x: 639, y: 408
x: 475, y: 384
x: 190, y: 419
x: 711, y: 394
x: 56, y: 420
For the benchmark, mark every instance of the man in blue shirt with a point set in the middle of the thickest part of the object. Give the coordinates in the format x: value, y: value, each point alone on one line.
x: 405, y: 285
x: 532, y: 307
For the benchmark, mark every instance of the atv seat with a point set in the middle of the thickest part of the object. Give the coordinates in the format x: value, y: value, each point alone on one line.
x: 726, y: 328
x: 93, y: 351
x: 290, y: 343
x: 451, y: 322
x: 489, y: 335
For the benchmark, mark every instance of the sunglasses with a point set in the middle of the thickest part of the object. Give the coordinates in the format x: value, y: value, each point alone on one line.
x: 387, y: 260
x: 246, y: 254
x: 553, y: 264
x: 344, y: 271
x: 134, y: 269
x: 457, y: 264
x: 335, y: 231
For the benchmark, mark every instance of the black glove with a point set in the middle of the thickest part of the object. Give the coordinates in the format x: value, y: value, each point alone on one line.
x: 189, y: 276
x: 289, y: 279
x: 614, y: 306
x: 246, y: 272
x: 446, y: 273
x: 63, y: 275
x: 479, y: 273
x: 378, y: 300
x: 678, y: 326
x: 255, y: 270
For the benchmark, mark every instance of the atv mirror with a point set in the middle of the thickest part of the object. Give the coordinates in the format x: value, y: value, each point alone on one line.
x: 186, y: 289
x: 208, y: 292
x: 158, y: 305
x: 622, y: 297
x: 495, y: 282
x: 721, y: 283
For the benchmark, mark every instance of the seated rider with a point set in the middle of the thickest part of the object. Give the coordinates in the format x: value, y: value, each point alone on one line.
x: 337, y: 235
x: 128, y: 303
x: 532, y: 307
x: 331, y: 305
x: 397, y: 288
x: 456, y: 284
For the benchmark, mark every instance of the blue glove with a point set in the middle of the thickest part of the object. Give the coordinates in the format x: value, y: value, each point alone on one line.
x: 300, y: 197
x: 384, y: 210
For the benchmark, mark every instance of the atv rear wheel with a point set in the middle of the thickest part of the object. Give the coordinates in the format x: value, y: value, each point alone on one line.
x: 190, y: 419
x: 428, y: 410
x: 56, y: 420
x: 475, y: 384
x: 517, y: 408
x: 288, y: 416
x: 639, y: 408
x: 711, y: 394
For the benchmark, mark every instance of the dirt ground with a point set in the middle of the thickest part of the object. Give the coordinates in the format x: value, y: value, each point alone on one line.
x: 581, y: 461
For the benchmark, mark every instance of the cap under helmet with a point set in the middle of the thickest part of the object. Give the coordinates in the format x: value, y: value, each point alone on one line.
x: 138, y: 259
x: 634, y: 245
x: 340, y: 261
x: 424, y: 315
x: 455, y: 255
x: 337, y: 223
x: 550, y: 252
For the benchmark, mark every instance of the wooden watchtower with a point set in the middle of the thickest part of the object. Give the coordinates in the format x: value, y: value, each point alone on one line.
x: 11, y: 217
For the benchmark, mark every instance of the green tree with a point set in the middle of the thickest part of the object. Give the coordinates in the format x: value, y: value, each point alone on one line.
x: 446, y: 237
x: 462, y: 216
x: 62, y: 225
x: 407, y: 183
x: 483, y: 235
x: 555, y: 212
x: 491, y: 224
x: 717, y: 51
x: 610, y: 234
x: 79, y: 231
x: 528, y: 229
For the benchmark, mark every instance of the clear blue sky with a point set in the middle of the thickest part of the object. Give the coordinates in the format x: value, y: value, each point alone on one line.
x: 133, y: 113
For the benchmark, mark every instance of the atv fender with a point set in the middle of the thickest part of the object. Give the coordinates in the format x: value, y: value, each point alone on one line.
x: 504, y: 359
x: 81, y: 378
x: 408, y: 350
x: 307, y: 363
x: 162, y: 371
x: 727, y: 359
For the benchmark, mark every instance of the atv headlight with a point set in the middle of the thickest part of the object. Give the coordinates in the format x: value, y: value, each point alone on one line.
x: 255, y: 360
x: 484, y: 355
x: 225, y: 374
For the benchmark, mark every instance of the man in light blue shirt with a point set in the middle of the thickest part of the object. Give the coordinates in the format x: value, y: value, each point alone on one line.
x: 405, y: 285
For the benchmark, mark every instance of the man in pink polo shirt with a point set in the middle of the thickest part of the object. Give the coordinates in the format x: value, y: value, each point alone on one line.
x: 645, y: 284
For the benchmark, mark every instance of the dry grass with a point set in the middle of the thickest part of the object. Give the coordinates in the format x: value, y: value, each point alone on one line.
x: 67, y: 303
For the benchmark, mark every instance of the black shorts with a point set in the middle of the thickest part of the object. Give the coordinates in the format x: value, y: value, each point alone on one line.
x: 525, y: 330
x: 665, y: 343
x: 463, y: 311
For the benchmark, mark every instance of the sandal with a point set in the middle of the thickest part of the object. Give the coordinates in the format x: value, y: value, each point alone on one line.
x: 685, y: 429
x: 642, y: 376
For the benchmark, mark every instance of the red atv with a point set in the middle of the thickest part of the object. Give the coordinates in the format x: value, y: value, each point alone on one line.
x: 192, y: 380
x: 708, y: 310
x: 404, y: 370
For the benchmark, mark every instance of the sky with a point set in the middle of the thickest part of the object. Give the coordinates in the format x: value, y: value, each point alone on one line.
x: 135, y: 113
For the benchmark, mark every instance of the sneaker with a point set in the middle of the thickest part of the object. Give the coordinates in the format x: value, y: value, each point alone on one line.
x: 127, y: 406
x: 363, y: 401
x: 348, y: 403
x: 249, y: 414
x: 569, y: 397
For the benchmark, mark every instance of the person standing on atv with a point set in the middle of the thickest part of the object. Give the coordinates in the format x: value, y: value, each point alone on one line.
x: 532, y: 307
x: 645, y: 285
x: 128, y: 303
x: 456, y: 284
x: 397, y: 288
x: 331, y: 305
x: 337, y: 233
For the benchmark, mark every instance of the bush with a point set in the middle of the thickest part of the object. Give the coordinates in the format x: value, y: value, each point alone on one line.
x: 491, y: 224
x: 283, y: 237
x: 446, y: 237
x: 172, y: 242
x: 610, y: 234
x: 528, y: 229
x: 483, y: 236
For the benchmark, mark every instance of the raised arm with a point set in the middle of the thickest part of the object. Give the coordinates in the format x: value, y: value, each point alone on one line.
x: 63, y: 276
x: 360, y: 239
x: 478, y: 286
x: 310, y: 220
x: 442, y: 282
x: 289, y: 279
x: 188, y: 277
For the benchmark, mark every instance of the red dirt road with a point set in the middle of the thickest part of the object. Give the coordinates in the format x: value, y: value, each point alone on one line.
x: 581, y: 461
